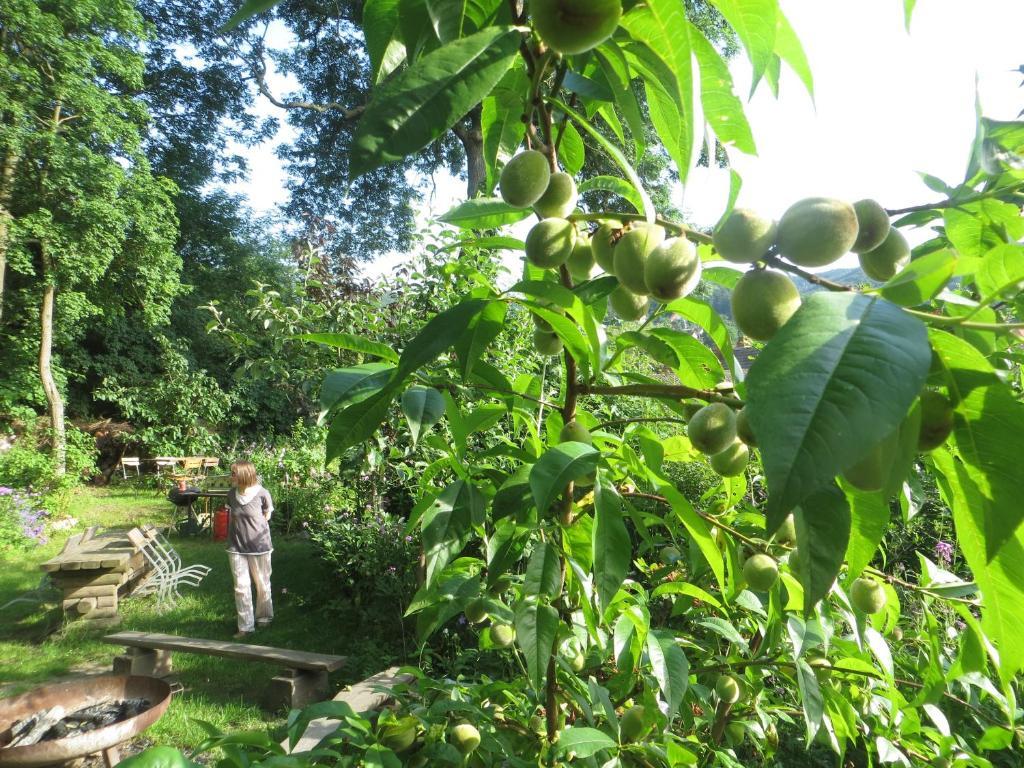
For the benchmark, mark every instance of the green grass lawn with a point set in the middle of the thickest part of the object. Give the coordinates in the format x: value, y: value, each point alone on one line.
x: 219, y: 691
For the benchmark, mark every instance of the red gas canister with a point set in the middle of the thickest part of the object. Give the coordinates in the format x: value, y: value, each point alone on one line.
x: 220, y: 524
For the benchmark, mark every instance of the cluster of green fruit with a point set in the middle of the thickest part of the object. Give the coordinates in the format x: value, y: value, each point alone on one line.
x: 811, y: 233
x: 724, y: 436
x: 502, y: 634
x: 405, y: 733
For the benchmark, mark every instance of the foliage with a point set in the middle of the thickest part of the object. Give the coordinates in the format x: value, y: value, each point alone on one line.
x: 22, y: 521
x: 28, y: 463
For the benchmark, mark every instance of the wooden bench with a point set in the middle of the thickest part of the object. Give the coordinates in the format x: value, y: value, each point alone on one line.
x: 305, y: 681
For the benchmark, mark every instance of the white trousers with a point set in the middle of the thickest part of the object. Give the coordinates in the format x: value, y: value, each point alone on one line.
x: 249, y: 570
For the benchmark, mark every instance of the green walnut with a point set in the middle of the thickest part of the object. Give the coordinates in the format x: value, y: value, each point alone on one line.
x: 743, y: 430
x: 744, y: 236
x: 817, y: 231
x: 627, y: 305
x: 465, y: 737
x: 546, y: 343
x: 762, y: 302
x: 786, y: 533
x: 936, y: 420
x: 872, y: 225
x: 886, y: 260
x: 672, y: 270
x: 476, y: 611
x: 712, y: 429
x: 761, y: 572
x: 401, y: 734
x: 573, y: 431
x: 631, y: 254
x: 728, y: 689
x: 575, y: 26
x: 822, y: 668
x: 735, y: 732
x: 502, y: 635
x: 731, y: 462
x: 631, y: 724
x: 525, y: 178
x: 501, y: 584
x: 581, y: 260
x: 603, y: 244
x: 550, y: 242
x: 559, y: 199
x: 867, y: 595
x: 871, y: 473
x: 669, y: 555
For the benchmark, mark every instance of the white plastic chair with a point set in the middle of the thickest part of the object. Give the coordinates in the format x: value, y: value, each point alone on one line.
x: 168, y: 573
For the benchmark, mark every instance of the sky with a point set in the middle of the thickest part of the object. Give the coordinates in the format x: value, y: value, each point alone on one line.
x: 887, y: 106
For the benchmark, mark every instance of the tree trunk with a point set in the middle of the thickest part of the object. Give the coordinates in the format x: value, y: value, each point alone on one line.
x: 6, y: 190
x: 473, y: 145
x: 53, y: 396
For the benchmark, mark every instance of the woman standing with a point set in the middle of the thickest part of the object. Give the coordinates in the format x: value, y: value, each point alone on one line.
x: 249, y: 547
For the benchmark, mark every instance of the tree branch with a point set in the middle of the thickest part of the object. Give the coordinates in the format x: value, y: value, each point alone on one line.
x: 259, y: 75
x: 674, y: 391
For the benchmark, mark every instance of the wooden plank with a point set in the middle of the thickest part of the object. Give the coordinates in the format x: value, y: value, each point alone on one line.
x: 106, y: 601
x: 71, y: 565
x: 280, y: 656
x: 76, y: 579
x: 100, y: 613
x: 107, y: 590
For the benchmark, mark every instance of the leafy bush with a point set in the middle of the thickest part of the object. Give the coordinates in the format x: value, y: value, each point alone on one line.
x: 28, y: 463
x: 22, y: 520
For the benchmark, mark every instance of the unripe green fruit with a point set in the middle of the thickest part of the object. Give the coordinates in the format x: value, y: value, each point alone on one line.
x: 735, y: 732
x: 476, y: 611
x: 936, y: 420
x: 712, y: 429
x: 872, y: 225
x: 728, y: 689
x: 398, y: 736
x: 525, y: 178
x: 550, y: 242
x: 575, y: 26
x: 538, y: 724
x: 732, y: 461
x: 669, y: 555
x: 465, y: 737
x: 577, y: 662
x: 672, y: 270
x: 867, y: 595
x: 631, y: 724
x: 796, y: 563
x: 743, y: 430
x: 761, y: 572
x: 822, y: 668
x: 573, y: 431
x: 786, y: 534
x: 627, y: 305
x: 581, y: 260
x: 744, y: 237
x: 762, y: 302
x: 817, y: 231
x: 418, y: 761
x: 502, y: 635
x: 631, y: 254
x: 559, y: 199
x: 603, y: 244
x: 546, y: 343
x: 872, y: 471
x: 501, y: 584
x: 540, y: 322
x: 886, y: 260
x: 897, y: 634
x: 771, y: 736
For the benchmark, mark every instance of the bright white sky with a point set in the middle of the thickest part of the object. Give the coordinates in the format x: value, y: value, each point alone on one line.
x: 888, y: 105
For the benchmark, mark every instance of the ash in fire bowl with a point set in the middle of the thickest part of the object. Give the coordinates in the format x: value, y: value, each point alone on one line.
x: 56, y: 723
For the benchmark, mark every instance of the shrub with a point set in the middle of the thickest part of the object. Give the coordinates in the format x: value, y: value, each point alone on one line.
x: 22, y: 520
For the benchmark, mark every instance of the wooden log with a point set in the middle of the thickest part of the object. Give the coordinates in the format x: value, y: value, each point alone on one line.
x: 106, y: 590
x: 75, y: 579
x: 106, y: 602
x: 101, y: 613
x: 91, y: 623
x: 67, y: 605
x: 86, y: 605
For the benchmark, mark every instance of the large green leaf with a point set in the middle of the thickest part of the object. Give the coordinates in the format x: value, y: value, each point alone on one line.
x: 501, y: 123
x: 423, y: 408
x: 612, y: 550
x: 698, y: 366
x: 484, y: 213
x: 453, y: 19
x: 670, y: 667
x: 536, y: 627
x: 571, y: 151
x: 514, y: 497
x: 835, y: 381
x: 358, y: 421
x: 482, y: 331
x: 558, y: 467
x: 703, y: 314
x: 616, y: 71
x: 822, y: 535
x: 447, y: 524
x: 789, y: 48
x: 696, y: 527
x: 543, y: 572
x: 869, y: 520
x: 424, y: 101
x: 810, y: 697
x: 1001, y: 272
x: 922, y: 279
x: 755, y: 22
x: 616, y: 186
x: 351, y: 342
x: 383, y: 43
x: 352, y: 385
x: 583, y: 742
x: 722, y: 108
x: 988, y: 428
x: 249, y: 9
x: 441, y: 331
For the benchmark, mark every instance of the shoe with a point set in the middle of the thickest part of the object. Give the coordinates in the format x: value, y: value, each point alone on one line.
x: 242, y: 635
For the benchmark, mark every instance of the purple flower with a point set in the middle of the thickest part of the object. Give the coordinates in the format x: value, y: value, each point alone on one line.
x: 944, y: 552
x: 5, y: 491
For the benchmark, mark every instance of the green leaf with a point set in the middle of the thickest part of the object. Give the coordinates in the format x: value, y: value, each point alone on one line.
x: 611, y: 547
x: 559, y: 466
x: 835, y: 381
x: 822, y: 535
x: 722, y: 109
x: 425, y: 100
x: 453, y: 19
x: 571, y: 151
x: 810, y: 698
x: 493, y: 243
x: 697, y: 365
x: 353, y: 385
x: 922, y: 279
x: 616, y: 186
x: 514, y: 498
x: 501, y: 122
x: 908, y: 12
x: 484, y: 213
x: 755, y: 22
x: 504, y: 549
x: 423, y: 408
x: 441, y: 331
x: 616, y: 71
x: 357, y: 422
x: 536, y: 627
x: 869, y: 520
x: 696, y: 527
x: 351, y: 342
x: 584, y: 742
x: 249, y: 9
x: 543, y: 572
x: 447, y: 524
x: 377, y: 756
x: 670, y: 667
x: 789, y: 48
x: 481, y: 333
x: 704, y: 315
x: 1001, y: 272
x: 383, y: 43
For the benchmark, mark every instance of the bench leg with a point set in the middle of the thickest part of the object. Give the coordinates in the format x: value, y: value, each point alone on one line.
x: 143, y: 661
x: 297, y: 688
